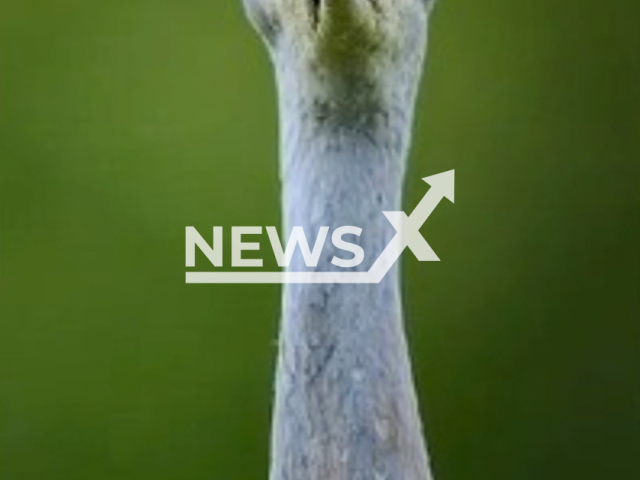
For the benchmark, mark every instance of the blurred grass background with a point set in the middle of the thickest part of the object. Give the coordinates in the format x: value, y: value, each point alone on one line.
x: 123, y: 121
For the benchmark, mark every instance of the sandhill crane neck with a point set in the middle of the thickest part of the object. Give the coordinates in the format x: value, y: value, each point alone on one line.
x: 347, y: 73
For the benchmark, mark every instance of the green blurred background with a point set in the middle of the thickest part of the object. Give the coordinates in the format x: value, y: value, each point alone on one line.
x: 124, y: 121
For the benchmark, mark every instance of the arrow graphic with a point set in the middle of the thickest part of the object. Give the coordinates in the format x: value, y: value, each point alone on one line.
x: 408, y: 228
x: 407, y: 236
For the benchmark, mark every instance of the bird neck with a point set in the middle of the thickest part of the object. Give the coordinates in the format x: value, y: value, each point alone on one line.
x: 345, y: 404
